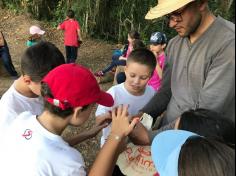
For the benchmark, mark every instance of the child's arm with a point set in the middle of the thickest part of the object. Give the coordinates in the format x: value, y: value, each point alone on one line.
x: 79, y: 34
x: 106, y: 117
x: 140, y: 135
x: 86, y: 135
x: 107, y: 157
x: 122, y: 58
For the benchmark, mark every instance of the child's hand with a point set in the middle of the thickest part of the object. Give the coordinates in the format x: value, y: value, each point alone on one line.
x: 120, y: 121
x: 104, y: 118
x: 96, y: 129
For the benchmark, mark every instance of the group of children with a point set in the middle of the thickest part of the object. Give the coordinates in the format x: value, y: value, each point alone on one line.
x: 52, y: 93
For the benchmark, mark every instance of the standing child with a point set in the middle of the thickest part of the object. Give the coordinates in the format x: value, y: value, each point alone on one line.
x: 40, y: 148
x: 72, y: 36
x: 158, y: 43
x: 121, y: 59
x: 134, y: 91
x: 6, y: 57
x: 36, y: 35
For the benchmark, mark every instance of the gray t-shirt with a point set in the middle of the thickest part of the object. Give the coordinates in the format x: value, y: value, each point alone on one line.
x: 198, y: 75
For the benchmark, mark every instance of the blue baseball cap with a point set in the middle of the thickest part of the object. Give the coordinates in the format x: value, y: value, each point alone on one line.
x: 166, y: 148
x: 158, y: 38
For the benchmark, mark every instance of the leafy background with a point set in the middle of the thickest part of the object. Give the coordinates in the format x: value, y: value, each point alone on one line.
x: 108, y: 19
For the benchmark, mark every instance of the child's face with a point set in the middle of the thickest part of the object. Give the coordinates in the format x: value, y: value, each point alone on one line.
x: 137, y: 77
x: 130, y: 40
x: 156, y: 49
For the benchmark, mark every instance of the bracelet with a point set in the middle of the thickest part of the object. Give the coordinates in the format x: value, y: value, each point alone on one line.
x: 116, y: 137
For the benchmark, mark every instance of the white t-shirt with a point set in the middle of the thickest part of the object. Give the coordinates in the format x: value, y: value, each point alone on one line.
x: 122, y: 96
x: 13, y: 103
x: 28, y: 149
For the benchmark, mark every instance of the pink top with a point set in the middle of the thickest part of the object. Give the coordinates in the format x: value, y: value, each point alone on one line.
x: 155, y: 80
x: 70, y: 28
x: 129, y: 50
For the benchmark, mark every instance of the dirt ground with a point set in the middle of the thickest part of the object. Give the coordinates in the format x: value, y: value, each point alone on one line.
x: 93, y: 54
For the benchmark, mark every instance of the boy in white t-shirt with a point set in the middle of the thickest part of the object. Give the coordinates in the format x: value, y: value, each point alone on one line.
x: 134, y: 91
x: 23, y: 95
x: 33, y: 146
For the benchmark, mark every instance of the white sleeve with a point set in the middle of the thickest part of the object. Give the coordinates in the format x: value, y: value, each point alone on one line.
x: 103, y: 109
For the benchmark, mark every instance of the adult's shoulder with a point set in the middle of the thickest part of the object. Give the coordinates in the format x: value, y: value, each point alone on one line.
x: 226, y: 25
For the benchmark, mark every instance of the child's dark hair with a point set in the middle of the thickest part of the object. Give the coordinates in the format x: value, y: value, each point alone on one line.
x: 39, y: 59
x: 70, y: 13
x: 209, y: 124
x: 143, y: 56
x: 206, y: 157
x: 46, y: 92
x: 138, y: 44
x: 134, y: 34
x: 34, y: 37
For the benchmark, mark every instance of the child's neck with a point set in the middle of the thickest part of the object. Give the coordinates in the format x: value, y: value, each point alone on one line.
x: 159, y: 53
x: 23, y: 89
x: 53, y: 124
x: 140, y: 93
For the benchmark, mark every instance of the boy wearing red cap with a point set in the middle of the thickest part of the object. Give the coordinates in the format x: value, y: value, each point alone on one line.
x: 24, y: 94
x: 40, y: 148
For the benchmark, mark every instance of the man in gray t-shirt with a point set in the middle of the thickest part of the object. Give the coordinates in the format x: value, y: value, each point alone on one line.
x: 200, y: 67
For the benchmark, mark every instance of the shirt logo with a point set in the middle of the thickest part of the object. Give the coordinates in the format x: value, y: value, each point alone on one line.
x: 27, y: 134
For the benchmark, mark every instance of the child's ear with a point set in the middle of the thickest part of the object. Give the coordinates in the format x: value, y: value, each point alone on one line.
x: 77, y: 111
x: 163, y: 46
x: 27, y: 79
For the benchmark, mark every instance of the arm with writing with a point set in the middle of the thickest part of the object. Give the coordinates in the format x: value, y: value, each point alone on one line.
x: 107, y: 157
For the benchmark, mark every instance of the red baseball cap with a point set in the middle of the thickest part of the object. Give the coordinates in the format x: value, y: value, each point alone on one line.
x: 73, y: 85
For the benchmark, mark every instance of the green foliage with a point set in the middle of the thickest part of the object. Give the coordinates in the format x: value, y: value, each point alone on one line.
x: 109, y: 19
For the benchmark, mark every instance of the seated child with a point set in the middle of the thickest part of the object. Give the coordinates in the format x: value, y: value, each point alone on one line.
x: 134, y: 91
x: 40, y: 148
x: 121, y: 59
x: 35, y: 35
x: 158, y: 43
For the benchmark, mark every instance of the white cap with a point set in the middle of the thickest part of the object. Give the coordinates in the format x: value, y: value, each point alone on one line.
x: 36, y: 30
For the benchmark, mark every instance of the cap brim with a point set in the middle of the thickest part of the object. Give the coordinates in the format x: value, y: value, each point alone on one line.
x: 165, y: 8
x: 41, y: 32
x: 165, y: 149
x: 153, y: 43
x: 105, y: 99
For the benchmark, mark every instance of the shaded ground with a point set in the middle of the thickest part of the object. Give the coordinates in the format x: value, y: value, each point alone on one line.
x: 93, y: 54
